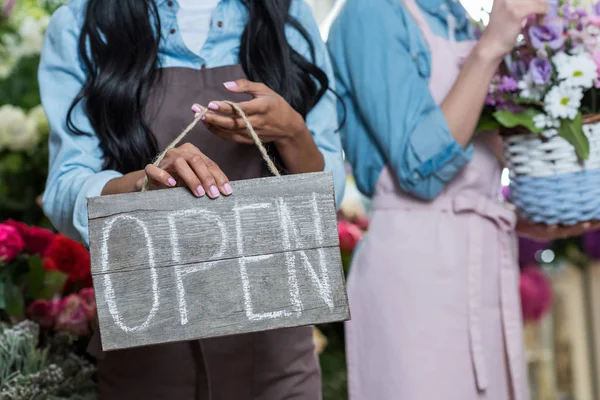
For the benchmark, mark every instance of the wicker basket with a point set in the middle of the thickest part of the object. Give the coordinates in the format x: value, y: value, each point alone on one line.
x: 549, y: 183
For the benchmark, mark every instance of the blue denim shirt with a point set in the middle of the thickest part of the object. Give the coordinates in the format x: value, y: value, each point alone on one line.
x: 382, y: 67
x: 76, y: 161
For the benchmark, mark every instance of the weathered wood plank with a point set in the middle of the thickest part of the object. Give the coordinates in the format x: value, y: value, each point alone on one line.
x: 220, y: 298
x: 182, y: 229
x: 168, y: 266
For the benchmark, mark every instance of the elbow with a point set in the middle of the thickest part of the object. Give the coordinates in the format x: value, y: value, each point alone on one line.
x: 53, y: 206
x: 424, y: 191
x: 423, y: 187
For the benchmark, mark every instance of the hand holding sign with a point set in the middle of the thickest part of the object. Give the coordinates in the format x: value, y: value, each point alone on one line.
x: 272, y: 259
x: 187, y: 166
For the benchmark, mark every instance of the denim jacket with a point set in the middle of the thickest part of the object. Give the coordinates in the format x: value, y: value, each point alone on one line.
x: 76, y: 162
x: 382, y: 67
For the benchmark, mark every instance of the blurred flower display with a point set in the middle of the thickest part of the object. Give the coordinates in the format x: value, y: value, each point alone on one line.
x: 23, y: 125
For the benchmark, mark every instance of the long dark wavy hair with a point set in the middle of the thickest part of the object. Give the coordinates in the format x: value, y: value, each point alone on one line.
x: 119, y: 45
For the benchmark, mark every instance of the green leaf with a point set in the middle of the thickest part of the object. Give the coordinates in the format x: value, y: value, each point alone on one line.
x: 572, y: 132
x: 15, y: 304
x: 3, y: 283
x: 487, y: 123
x: 34, y: 280
x: 54, y: 282
x: 523, y: 118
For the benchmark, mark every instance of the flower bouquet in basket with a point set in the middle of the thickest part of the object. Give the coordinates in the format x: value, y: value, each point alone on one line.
x: 544, y: 101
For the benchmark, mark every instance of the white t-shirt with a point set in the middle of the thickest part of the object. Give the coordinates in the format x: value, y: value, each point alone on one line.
x: 194, y: 19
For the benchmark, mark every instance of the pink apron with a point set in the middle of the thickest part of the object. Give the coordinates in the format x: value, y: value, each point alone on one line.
x: 433, y: 287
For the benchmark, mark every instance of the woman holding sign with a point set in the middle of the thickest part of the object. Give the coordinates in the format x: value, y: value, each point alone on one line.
x: 433, y: 289
x: 118, y: 78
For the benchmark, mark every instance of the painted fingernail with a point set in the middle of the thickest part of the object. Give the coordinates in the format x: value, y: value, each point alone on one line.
x: 213, y: 106
x: 228, y: 189
x: 200, y: 191
x: 171, y: 182
x: 214, y: 192
x: 230, y: 85
x: 196, y: 108
x: 203, y: 118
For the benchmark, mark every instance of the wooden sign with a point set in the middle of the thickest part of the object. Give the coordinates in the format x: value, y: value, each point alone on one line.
x: 168, y: 266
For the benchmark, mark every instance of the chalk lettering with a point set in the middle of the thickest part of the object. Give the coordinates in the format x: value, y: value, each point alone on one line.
x: 109, y: 292
x: 243, y: 261
x: 181, y: 271
x: 287, y: 225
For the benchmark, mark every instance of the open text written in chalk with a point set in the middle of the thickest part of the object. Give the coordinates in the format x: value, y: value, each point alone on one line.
x: 170, y: 267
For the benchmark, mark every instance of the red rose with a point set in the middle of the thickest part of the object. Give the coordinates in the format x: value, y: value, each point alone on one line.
x: 350, y: 235
x: 44, y: 312
x: 70, y: 257
x: 11, y: 243
x: 74, y: 316
x: 36, y: 238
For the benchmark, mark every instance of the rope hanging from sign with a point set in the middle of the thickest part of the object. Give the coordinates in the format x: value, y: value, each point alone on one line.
x: 249, y: 128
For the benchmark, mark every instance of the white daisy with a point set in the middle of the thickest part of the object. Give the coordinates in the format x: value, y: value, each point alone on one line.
x: 578, y: 70
x: 542, y: 121
x: 563, y: 101
x: 549, y: 133
x: 530, y: 90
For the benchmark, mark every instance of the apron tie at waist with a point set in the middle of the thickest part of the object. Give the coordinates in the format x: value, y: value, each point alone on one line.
x: 505, y: 220
x: 474, y: 206
x: 483, y: 206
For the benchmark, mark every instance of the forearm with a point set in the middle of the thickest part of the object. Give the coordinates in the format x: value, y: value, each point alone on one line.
x: 463, y: 105
x: 124, y: 184
x: 299, y: 153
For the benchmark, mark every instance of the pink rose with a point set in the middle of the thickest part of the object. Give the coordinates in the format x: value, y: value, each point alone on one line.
x: 44, y: 312
x: 350, y: 235
x: 74, y: 316
x: 536, y: 293
x: 11, y: 243
x: 88, y: 297
x: 36, y: 238
x: 594, y: 20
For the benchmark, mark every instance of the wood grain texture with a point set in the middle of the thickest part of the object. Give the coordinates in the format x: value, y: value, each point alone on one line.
x: 169, y: 267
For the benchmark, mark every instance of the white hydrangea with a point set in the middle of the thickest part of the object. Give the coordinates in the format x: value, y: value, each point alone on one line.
x: 17, y: 131
x: 31, y: 32
x: 563, y: 101
x: 577, y: 70
x: 38, y: 116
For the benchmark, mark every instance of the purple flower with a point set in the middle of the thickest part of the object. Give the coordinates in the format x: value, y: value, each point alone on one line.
x: 540, y: 71
x: 552, y: 8
x: 550, y: 34
x: 508, y: 84
x: 596, y: 8
x: 591, y: 244
x: 8, y: 6
x: 529, y: 250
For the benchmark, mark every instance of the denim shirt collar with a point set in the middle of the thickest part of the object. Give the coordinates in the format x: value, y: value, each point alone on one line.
x: 440, y: 8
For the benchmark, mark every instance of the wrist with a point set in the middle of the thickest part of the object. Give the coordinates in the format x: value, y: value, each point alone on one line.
x: 488, y: 52
x: 297, y: 132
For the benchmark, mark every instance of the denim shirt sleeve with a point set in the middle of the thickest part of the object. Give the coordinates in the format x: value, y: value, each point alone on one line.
x: 322, y: 120
x: 389, y: 88
x: 75, y: 170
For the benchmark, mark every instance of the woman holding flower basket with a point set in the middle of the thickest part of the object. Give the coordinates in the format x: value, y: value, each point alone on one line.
x: 434, y: 285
